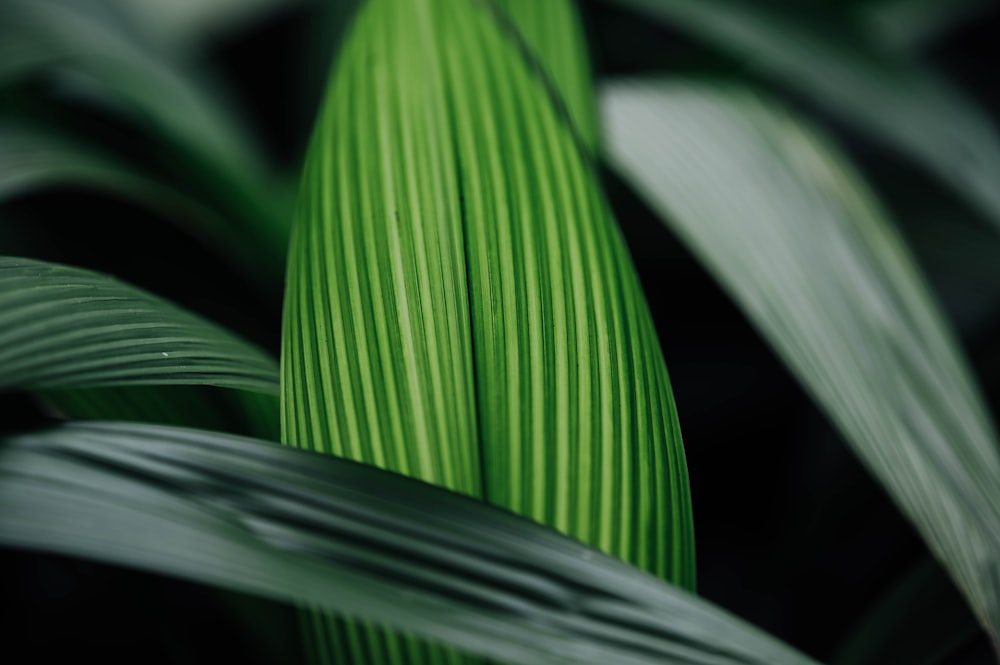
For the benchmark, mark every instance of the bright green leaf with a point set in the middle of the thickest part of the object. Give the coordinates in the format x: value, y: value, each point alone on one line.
x: 454, y: 269
x: 553, y: 40
x: 460, y: 304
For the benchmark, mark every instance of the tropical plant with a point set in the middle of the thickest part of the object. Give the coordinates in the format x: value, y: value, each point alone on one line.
x: 473, y: 323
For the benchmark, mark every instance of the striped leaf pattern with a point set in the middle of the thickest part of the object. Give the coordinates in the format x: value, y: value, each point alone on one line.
x: 67, y: 327
x: 455, y: 267
x: 552, y: 40
x: 299, y: 527
x: 787, y: 226
x: 460, y: 306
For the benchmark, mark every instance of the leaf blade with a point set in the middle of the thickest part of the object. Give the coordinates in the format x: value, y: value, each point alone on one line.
x: 292, y: 525
x: 562, y: 364
x: 889, y: 97
x: 803, y: 248
x: 67, y: 327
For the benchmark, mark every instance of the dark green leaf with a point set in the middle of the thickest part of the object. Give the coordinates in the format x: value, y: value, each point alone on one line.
x: 353, y: 540
x: 65, y: 327
x: 106, y: 57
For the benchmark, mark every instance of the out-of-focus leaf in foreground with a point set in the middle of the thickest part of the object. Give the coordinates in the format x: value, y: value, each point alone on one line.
x: 783, y: 222
x: 352, y: 539
x: 891, y: 98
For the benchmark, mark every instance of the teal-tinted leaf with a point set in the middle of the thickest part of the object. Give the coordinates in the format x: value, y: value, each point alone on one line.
x: 186, y: 24
x: 778, y: 216
x: 93, y: 37
x: 63, y: 327
x: 890, y: 98
x: 352, y: 539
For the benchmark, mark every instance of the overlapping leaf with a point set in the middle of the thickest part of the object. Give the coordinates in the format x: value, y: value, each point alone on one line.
x: 352, y: 539
x: 460, y: 306
x: 455, y: 270
x: 66, y: 327
x: 892, y: 99
x: 804, y: 249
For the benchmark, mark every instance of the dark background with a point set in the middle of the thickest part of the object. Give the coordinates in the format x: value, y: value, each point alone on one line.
x: 792, y: 533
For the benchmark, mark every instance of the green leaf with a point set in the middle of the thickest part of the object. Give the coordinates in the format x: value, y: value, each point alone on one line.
x: 66, y: 327
x: 783, y: 222
x: 182, y: 25
x: 892, y: 99
x: 552, y: 38
x: 32, y: 159
x: 455, y: 268
x: 460, y: 306
x: 352, y: 539
x: 96, y: 51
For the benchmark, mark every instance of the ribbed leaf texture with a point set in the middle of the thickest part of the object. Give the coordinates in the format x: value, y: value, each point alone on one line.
x: 67, y: 327
x: 460, y: 305
x: 790, y: 230
x: 552, y: 41
x: 454, y: 261
x: 299, y: 527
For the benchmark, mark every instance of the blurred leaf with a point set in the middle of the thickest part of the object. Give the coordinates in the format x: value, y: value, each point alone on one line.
x: 66, y: 327
x: 32, y: 159
x: 892, y: 99
x: 919, y: 622
x: 351, y: 539
x: 185, y: 24
x: 907, y: 25
x: 802, y: 246
x: 99, y: 49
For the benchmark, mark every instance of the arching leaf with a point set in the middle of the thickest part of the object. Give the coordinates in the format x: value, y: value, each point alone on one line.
x: 354, y: 540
